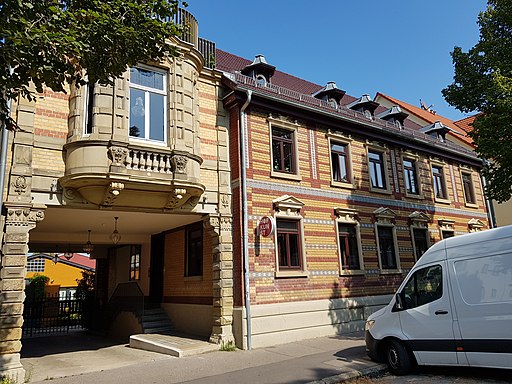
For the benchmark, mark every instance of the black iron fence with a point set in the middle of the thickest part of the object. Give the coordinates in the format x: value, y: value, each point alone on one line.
x: 51, y: 315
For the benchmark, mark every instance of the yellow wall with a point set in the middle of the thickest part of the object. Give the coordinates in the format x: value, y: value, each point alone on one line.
x: 59, y: 274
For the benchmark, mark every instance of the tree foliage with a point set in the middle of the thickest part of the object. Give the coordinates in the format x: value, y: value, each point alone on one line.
x: 483, y: 83
x: 54, y: 42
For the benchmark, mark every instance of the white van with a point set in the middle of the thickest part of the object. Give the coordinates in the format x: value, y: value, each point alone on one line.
x: 453, y: 308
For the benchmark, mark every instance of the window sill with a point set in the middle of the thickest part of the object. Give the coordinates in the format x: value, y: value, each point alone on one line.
x: 341, y: 184
x: 283, y: 175
x: 471, y: 205
x: 291, y: 274
x: 352, y: 272
x: 414, y: 196
x: 442, y: 201
x: 383, y: 191
x: 390, y: 271
x: 193, y: 278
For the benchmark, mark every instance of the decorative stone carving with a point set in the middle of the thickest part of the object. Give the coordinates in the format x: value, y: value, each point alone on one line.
x: 18, y: 216
x: 224, y: 201
x: 176, y: 198
x: 384, y: 215
x: 346, y: 215
x: 113, y: 191
x: 419, y: 219
x: 288, y: 205
x: 475, y: 225
x: 446, y: 224
x: 20, y: 185
x: 179, y: 164
x: 119, y: 155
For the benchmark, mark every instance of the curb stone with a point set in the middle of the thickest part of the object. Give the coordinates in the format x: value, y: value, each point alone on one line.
x: 374, y: 371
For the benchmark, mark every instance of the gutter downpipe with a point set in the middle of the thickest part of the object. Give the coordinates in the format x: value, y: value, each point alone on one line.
x: 245, y: 230
x: 3, y: 164
x: 491, y: 215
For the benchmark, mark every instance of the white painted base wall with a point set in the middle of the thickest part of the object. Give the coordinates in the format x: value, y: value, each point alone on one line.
x: 274, y: 324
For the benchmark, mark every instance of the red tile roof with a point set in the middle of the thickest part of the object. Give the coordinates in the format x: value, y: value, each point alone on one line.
x: 466, y: 124
x: 430, y: 117
x: 230, y: 63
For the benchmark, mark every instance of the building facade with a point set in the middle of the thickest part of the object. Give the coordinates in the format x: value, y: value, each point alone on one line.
x: 137, y: 174
x: 353, y: 194
x: 165, y: 176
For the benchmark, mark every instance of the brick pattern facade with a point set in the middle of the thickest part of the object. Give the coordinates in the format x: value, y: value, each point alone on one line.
x: 315, y: 189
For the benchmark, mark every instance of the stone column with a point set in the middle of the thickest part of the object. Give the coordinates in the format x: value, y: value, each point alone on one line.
x: 20, y: 219
x: 219, y: 228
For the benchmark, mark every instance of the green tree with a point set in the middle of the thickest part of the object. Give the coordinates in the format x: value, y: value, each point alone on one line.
x: 54, y: 42
x: 36, y: 287
x: 483, y: 83
x: 85, y: 286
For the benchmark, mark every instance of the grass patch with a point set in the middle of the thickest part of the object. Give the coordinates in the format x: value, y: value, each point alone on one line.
x: 228, y: 346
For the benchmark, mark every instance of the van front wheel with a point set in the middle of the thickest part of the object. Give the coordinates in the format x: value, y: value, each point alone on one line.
x: 398, y: 358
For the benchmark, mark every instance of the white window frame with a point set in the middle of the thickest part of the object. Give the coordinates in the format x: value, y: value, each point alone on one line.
x: 346, y: 216
x: 147, y: 91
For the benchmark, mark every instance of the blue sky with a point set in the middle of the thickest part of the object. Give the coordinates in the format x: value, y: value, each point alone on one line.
x: 397, y: 47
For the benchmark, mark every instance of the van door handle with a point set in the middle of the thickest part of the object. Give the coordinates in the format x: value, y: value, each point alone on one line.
x: 441, y: 312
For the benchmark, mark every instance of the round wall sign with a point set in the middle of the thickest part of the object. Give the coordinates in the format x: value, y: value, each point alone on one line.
x: 266, y: 226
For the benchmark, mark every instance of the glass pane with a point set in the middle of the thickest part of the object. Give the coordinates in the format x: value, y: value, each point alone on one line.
x: 156, y: 117
x: 282, y: 133
x: 338, y: 148
x: 289, y: 226
x: 374, y: 156
x: 281, y: 249
x: 137, y: 113
x: 353, y: 261
x: 288, y: 157
x: 147, y: 78
x: 276, y: 155
x: 294, y: 250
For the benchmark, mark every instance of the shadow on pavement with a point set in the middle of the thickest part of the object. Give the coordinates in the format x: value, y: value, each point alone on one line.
x: 71, y: 342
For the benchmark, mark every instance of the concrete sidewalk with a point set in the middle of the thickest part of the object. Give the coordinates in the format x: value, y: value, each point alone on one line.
x: 81, y: 358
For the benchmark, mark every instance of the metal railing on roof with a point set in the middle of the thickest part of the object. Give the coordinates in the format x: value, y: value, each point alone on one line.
x: 208, y: 50
x: 191, y: 35
x: 344, y: 111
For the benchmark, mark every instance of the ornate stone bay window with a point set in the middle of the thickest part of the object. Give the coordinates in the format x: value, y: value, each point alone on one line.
x: 136, y: 143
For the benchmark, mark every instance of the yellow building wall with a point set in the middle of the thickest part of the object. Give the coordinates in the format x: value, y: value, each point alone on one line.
x: 60, y: 274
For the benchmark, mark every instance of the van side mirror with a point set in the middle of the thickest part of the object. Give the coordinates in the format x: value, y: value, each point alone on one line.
x: 399, y: 302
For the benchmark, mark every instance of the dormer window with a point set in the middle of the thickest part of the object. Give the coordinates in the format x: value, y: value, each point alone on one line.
x: 365, y: 105
x: 437, y: 130
x: 330, y: 93
x: 261, y: 80
x: 394, y: 115
x: 259, y: 70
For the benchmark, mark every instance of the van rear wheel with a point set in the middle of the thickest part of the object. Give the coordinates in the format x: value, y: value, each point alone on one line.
x: 398, y: 358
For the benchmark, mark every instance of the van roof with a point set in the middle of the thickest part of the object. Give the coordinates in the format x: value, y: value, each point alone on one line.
x: 477, y: 237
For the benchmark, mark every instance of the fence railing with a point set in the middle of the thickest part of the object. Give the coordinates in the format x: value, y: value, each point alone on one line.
x: 51, y: 315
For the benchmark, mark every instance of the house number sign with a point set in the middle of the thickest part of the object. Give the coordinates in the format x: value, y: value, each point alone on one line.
x: 266, y: 226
